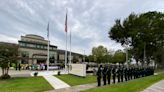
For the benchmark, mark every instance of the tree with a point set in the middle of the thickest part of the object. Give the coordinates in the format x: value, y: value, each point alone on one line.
x: 119, y: 57
x: 8, y: 54
x: 99, y: 53
x: 142, y: 32
x: 91, y: 58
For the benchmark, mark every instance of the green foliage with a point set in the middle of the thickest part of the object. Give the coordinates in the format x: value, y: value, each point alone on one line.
x: 91, y: 58
x: 119, y: 57
x: 99, y: 53
x: 139, y: 31
x: 8, y: 55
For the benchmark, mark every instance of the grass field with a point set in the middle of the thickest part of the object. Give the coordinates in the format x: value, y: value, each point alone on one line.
x: 25, y: 84
x: 75, y: 80
x: 130, y: 86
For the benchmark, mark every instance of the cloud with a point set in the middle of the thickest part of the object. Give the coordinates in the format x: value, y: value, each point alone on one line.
x: 88, y: 20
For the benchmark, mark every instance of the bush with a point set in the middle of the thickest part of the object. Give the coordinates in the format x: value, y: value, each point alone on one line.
x: 35, y: 74
x: 58, y: 72
x: 6, y: 76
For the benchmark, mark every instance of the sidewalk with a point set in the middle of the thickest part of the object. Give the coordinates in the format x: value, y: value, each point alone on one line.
x: 77, y: 88
x: 157, y: 87
x: 55, y: 82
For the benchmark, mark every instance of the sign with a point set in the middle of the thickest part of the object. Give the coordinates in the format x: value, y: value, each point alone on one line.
x: 78, y: 69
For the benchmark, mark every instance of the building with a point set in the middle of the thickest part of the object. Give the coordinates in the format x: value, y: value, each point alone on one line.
x: 75, y: 57
x: 33, y: 50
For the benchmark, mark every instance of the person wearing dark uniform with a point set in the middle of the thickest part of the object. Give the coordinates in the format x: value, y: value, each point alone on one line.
x: 114, y: 75
x: 19, y: 67
x: 109, y: 75
x: 125, y: 74
x: 118, y: 75
x: 122, y: 74
x: 16, y: 66
x: 99, y: 76
x: 128, y: 73
x: 104, y: 75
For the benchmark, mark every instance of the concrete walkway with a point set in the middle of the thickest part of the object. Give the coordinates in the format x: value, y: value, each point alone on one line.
x: 55, y: 82
x: 157, y: 87
x: 77, y: 88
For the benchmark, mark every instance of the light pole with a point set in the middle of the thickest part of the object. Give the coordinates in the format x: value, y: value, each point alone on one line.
x: 84, y: 56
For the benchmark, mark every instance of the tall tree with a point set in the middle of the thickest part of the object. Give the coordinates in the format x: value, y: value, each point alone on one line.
x: 142, y: 32
x: 99, y: 53
x: 8, y: 54
x: 119, y: 57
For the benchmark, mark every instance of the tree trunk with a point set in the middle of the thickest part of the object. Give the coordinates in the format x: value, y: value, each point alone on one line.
x: 7, y: 71
x: 3, y: 71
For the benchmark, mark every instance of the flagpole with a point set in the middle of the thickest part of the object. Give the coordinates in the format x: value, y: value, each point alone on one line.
x: 48, y: 55
x: 66, y: 42
x: 48, y: 48
x: 70, y: 49
x: 66, y: 53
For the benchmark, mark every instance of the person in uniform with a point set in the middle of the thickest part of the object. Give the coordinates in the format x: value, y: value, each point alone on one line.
x: 122, y: 74
x: 108, y: 74
x: 99, y: 76
x: 104, y: 73
x: 125, y: 74
x: 114, y: 74
x: 118, y: 74
x: 19, y: 66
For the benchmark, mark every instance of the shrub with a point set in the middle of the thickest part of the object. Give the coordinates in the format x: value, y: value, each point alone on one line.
x: 58, y: 72
x: 5, y: 76
x: 35, y: 74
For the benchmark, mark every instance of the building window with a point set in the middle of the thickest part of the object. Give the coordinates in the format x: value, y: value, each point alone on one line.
x: 45, y: 47
x: 23, y: 44
x: 38, y: 46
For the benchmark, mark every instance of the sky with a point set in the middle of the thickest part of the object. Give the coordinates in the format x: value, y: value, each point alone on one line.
x: 88, y: 20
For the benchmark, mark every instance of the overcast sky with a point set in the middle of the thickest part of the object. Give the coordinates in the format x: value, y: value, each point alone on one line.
x: 88, y: 20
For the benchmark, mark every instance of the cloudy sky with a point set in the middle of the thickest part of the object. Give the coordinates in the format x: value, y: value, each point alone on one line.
x: 88, y: 20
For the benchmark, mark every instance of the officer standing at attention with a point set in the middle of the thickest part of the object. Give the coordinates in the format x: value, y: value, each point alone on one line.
x: 122, y: 74
x: 114, y: 74
x: 125, y: 73
x: 99, y: 76
x: 108, y: 74
x: 104, y: 73
x: 118, y: 74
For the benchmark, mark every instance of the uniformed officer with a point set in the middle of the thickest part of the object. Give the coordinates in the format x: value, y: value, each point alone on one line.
x: 108, y: 74
x: 99, y: 76
x: 122, y: 74
x: 125, y: 73
x: 114, y: 74
x: 118, y: 74
x: 104, y: 73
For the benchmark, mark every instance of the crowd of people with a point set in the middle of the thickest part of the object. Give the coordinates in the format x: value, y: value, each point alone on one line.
x: 40, y: 66
x: 121, y: 73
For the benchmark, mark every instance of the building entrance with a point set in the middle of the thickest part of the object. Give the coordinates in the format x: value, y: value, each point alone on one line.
x: 39, y: 61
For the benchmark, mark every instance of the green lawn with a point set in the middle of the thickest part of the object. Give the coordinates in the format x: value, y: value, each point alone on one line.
x: 130, y: 86
x: 75, y: 80
x: 25, y: 84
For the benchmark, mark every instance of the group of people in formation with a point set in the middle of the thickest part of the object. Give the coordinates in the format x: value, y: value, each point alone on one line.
x: 121, y: 73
